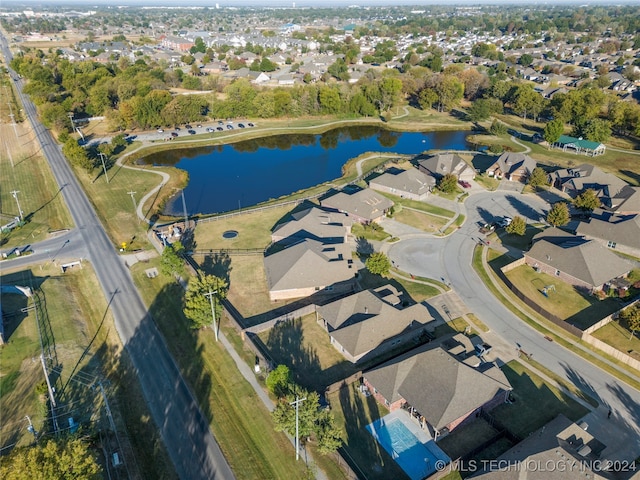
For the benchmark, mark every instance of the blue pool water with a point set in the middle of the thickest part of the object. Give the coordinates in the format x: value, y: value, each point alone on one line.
x: 417, y: 459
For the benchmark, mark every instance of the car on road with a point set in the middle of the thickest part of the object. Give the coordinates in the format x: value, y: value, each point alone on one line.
x: 177, y: 129
x: 220, y: 122
x: 174, y: 134
x: 487, y: 228
x: 160, y: 130
x: 220, y: 129
x: 198, y: 126
x: 504, y: 222
x: 229, y: 127
x: 250, y: 124
x: 464, y: 183
x: 187, y: 126
x: 192, y: 132
x: 210, y: 129
x: 241, y: 125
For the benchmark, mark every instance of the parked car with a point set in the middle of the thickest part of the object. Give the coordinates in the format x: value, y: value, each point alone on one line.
x: 250, y: 124
x: 464, y: 183
x: 220, y: 129
x: 192, y: 132
x: 229, y: 127
x: 482, y: 349
x: 210, y: 130
x: 487, y: 228
x: 220, y: 122
x: 174, y: 134
x: 198, y: 126
x: 160, y: 130
x: 187, y: 126
x: 177, y: 129
x: 505, y: 222
x: 241, y: 125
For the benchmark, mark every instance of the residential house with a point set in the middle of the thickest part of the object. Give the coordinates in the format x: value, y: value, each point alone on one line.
x: 573, y: 453
x: 617, y: 232
x: 443, y: 163
x: 576, y: 180
x: 309, y: 267
x: 515, y: 167
x: 575, y: 260
x: 580, y: 146
x: 176, y: 43
x: 314, y: 223
x: 411, y: 183
x: 363, y: 206
x: 370, y: 322
x: 437, y: 388
x: 625, y: 202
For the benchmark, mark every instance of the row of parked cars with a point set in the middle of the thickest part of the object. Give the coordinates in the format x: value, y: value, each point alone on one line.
x: 219, y: 128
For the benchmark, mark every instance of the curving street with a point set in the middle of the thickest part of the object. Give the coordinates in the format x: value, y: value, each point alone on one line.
x: 449, y: 260
x: 184, y: 429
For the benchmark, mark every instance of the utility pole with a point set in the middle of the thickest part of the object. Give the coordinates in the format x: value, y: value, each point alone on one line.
x: 31, y: 429
x: 52, y: 398
x: 213, y: 311
x: 15, y: 195
x: 297, y: 403
x: 133, y: 199
x: 103, y: 167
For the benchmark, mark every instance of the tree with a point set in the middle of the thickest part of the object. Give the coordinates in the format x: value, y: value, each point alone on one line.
x: 597, y: 130
x: 587, y: 200
x: 498, y: 128
x: 427, y: 98
x: 197, y: 305
x: 538, y: 178
x: 279, y: 380
x: 448, y: 183
x: 553, y: 130
x: 631, y: 316
x: 63, y: 457
x: 328, y: 434
x: 171, y: 262
x: 479, y: 110
x: 284, y: 414
x: 558, y: 215
x: 450, y: 91
x: 378, y: 264
x: 518, y: 226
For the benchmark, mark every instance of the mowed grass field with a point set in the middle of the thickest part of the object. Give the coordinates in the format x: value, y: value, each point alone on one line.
x: 239, y: 420
x: 30, y: 176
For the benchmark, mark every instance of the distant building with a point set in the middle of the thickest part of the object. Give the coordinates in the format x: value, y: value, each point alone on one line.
x: 580, y: 146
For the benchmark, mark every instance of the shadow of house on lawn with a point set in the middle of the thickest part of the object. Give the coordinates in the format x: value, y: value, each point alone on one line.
x: 219, y: 265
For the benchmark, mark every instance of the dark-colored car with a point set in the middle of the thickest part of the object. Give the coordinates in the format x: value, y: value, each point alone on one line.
x: 241, y: 125
x: 210, y: 129
x: 250, y: 124
x: 220, y: 122
x: 192, y: 132
x: 174, y: 134
x: 177, y: 129
x: 464, y: 183
x: 220, y: 129
x: 188, y: 126
x: 229, y: 127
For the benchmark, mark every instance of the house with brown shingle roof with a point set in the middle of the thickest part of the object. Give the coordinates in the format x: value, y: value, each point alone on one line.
x: 443, y: 163
x: 512, y: 166
x: 576, y: 180
x: 309, y: 267
x: 410, y: 183
x: 437, y: 388
x: 617, y: 232
x: 370, y: 322
x: 575, y: 260
x: 363, y: 206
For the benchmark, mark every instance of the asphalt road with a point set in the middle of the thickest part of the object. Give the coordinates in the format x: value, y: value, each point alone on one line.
x: 449, y: 259
x: 184, y: 429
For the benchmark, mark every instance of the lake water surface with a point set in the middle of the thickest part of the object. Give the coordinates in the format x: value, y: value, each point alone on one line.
x: 226, y: 177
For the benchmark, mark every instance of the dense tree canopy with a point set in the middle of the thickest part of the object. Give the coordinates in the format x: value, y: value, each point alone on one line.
x: 558, y: 215
x: 197, y: 304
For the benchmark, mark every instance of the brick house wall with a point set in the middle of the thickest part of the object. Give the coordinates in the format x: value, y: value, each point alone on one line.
x: 395, y: 191
x: 383, y: 401
x: 565, y: 277
x: 340, y: 287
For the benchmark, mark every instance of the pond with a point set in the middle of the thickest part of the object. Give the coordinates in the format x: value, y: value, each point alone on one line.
x: 228, y: 177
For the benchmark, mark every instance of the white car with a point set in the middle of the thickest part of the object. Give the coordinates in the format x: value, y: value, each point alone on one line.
x: 160, y: 130
x: 505, y: 221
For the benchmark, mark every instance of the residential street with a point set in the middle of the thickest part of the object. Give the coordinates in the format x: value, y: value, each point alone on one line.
x: 449, y: 260
x: 183, y: 427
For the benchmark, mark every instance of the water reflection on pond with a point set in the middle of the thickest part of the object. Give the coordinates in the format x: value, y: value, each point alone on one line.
x: 226, y: 177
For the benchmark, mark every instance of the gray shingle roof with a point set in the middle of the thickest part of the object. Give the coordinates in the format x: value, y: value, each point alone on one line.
x: 314, y: 223
x: 614, y: 228
x: 308, y: 263
x: 444, y: 163
x: 411, y: 181
x: 365, y: 203
x: 586, y: 260
x: 510, y: 162
x: 589, y: 176
x: 626, y: 200
x: 439, y: 386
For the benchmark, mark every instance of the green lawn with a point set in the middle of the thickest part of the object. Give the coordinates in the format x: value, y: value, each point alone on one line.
x: 369, y: 232
x: 536, y: 402
x: 565, y: 302
x: 489, y: 183
x: 620, y: 338
x: 425, y: 206
x: 414, y: 291
x: 240, y: 422
x: 353, y: 413
x: 466, y: 438
x: 305, y: 347
x: 420, y: 220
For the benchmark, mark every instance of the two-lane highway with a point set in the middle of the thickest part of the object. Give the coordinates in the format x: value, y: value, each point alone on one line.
x: 183, y: 427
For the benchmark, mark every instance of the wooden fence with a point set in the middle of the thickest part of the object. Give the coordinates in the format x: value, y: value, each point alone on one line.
x: 615, y: 353
x: 287, y: 317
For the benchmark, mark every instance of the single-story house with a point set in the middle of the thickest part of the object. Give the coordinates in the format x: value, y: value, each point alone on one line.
x: 575, y: 260
x: 370, y: 322
x: 309, y: 267
x: 515, y: 167
x: 580, y: 146
x: 443, y: 163
x: 576, y: 180
x: 314, y: 223
x: 617, y: 232
x: 410, y: 183
x: 363, y: 206
x: 567, y: 448
x: 437, y: 388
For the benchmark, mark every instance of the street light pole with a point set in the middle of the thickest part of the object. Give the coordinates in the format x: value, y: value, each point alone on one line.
x: 297, y: 403
x: 103, y: 167
x: 15, y: 195
x: 133, y: 199
x: 213, y: 311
